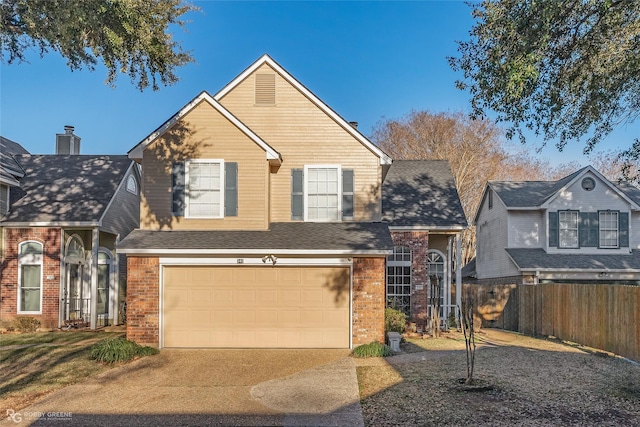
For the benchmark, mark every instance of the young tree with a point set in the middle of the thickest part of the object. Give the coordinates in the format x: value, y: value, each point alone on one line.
x: 128, y: 36
x: 563, y: 70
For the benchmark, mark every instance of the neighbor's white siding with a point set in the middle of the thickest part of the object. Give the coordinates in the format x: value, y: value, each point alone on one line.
x: 526, y: 229
x: 492, y: 239
x: 634, y: 230
x: 602, y: 197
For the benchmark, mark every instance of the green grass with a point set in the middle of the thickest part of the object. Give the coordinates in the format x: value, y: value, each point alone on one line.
x: 373, y: 349
x: 119, y: 349
x: 58, y: 337
x: 30, y: 372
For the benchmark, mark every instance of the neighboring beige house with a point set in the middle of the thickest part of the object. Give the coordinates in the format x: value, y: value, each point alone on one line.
x: 261, y: 223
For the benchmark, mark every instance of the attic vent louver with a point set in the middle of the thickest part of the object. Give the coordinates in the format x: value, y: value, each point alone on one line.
x: 265, y: 89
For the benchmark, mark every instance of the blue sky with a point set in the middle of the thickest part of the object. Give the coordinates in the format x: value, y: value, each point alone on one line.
x: 366, y: 60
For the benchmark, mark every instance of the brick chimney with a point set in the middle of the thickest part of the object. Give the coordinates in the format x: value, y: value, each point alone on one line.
x: 67, y: 142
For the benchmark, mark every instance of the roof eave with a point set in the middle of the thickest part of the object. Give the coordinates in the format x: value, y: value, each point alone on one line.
x: 309, y: 252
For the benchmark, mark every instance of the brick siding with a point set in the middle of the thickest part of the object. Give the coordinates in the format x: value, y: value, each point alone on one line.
x: 143, y: 300
x: 418, y: 242
x: 50, y: 239
x: 368, y: 300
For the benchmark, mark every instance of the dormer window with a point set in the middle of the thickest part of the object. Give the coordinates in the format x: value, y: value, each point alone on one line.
x: 132, y: 185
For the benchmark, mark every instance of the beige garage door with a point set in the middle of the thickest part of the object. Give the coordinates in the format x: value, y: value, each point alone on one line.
x: 249, y: 307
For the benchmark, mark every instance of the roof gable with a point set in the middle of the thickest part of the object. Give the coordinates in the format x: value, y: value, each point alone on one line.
x: 421, y: 194
x: 266, y: 59
x: 10, y: 170
x: 136, y: 152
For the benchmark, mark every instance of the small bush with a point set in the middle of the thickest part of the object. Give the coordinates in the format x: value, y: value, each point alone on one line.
x: 112, y: 350
x: 394, y: 321
x: 27, y: 324
x: 373, y: 349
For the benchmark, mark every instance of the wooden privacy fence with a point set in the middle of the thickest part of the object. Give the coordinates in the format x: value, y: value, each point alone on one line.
x: 602, y: 316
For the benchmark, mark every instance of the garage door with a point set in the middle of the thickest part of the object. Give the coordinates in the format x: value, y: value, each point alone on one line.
x: 249, y: 307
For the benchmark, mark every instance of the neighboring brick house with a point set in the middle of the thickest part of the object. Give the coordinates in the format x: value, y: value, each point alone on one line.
x: 261, y: 223
x: 64, y: 216
x: 582, y: 228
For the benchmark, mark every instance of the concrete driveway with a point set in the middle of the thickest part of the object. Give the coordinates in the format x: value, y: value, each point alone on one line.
x: 212, y: 387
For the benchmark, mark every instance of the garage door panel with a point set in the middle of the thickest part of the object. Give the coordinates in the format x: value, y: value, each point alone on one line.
x: 285, y: 307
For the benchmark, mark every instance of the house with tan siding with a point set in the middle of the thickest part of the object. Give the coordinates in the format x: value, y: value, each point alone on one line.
x: 263, y: 224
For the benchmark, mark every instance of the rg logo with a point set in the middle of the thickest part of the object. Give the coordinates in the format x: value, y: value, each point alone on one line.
x: 15, y: 416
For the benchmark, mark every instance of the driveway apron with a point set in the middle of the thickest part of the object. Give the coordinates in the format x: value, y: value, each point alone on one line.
x: 212, y: 387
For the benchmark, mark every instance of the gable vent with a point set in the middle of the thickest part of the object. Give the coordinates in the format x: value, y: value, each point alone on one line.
x: 265, y: 89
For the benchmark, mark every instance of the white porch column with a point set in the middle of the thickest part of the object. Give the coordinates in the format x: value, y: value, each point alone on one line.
x: 95, y: 244
x: 459, y: 269
x: 447, y: 300
x: 114, y: 294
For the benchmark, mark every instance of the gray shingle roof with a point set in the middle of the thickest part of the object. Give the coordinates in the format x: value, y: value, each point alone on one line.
x: 421, y: 193
x: 529, y: 259
x: 282, y: 237
x: 520, y: 194
x: 9, y: 168
x: 58, y: 188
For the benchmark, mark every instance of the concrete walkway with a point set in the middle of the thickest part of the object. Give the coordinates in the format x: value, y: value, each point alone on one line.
x: 211, y: 387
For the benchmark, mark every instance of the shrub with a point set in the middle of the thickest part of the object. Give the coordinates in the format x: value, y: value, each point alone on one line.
x: 27, y: 324
x: 112, y: 350
x: 373, y: 349
x: 394, y: 321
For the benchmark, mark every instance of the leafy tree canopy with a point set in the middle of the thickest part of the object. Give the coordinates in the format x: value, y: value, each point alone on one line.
x: 128, y: 36
x: 563, y: 70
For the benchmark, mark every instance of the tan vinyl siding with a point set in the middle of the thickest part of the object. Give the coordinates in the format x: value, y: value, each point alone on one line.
x: 304, y: 135
x: 204, y: 134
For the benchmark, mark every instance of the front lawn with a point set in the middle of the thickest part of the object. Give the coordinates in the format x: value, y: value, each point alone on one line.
x: 531, y: 382
x: 32, y: 365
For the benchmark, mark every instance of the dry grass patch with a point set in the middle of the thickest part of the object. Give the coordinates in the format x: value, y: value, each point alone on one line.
x: 49, y: 361
x: 535, y: 382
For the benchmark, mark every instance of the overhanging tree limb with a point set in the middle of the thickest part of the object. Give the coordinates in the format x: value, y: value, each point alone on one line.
x: 128, y: 36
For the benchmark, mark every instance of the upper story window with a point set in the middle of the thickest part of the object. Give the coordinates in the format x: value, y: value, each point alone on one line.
x: 490, y: 196
x: 204, y: 188
x: 30, y: 277
x: 608, y: 222
x: 4, y: 199
x: 322, y: 193
x: 568, y: 225
x: 204, y: 191
x: 132, y: 185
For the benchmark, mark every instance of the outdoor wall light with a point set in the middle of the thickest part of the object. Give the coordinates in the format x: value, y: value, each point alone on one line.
x: 271, y: 258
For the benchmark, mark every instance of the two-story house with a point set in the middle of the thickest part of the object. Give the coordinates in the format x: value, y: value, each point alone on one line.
x: 261, y: 223
x: 582, y: 228
x: 63, y: 215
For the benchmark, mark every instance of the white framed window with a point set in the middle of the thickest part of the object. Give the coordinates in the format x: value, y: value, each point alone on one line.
x: 30, y: 277
x: 4, y: 199
x: 568, y: 225
x: 132, y: 185
x: 204, y: 188
x: 105, y: 268
x: 399, y: 279
x: 322, y: 192
x: 608, y: 224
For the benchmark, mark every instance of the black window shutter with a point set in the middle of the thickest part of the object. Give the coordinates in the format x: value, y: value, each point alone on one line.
x: 623, y: 227
x: 230, y: 189
x: 177, y: 189
x: 347, y: 194
x: 297, y: 194
x: 553, y: 229
x: 588, y: 229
